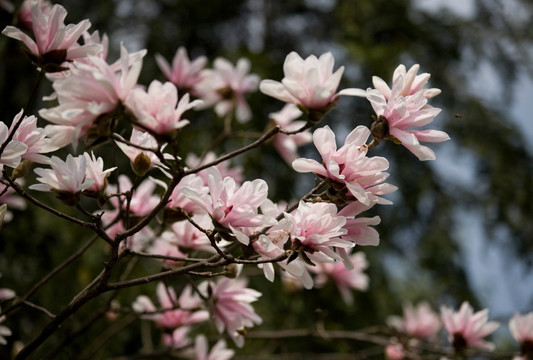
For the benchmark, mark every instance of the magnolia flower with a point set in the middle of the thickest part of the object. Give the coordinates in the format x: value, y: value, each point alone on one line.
x: 158, y: 108
x: 230, y: 206
x: 92, y: 90
x: 403, y: 107
x: 359, y: 229
x: 287, y: 145
x: 12, y: 152
x: 186, y: 236
x: 315, y: 228
x: 178, y: 200
x: 54, y: 42
x: 360, y: 177
x: 521, y: 327
x: 344, y: 279
x: 178, y: 339
x: 231, y: 309
x: 186, y: 75
x: 65, y: 176
x: 174, y: 311
x: 225, y: 87
x: 219, y: 351
x: 95, y: 170
x: 141, y: 158
x: 25, y: 11
x: 419, y: 321
x: 310, y: 83
x: 394, y: 351
x: 466, y: 328
x: 33, y: 137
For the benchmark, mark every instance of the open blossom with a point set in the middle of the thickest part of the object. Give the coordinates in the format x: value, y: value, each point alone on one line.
x: 93, y: 89
x: 418, y: 321
x: 224, y: 86
x: 141, y: 158
x: 25, y: 11
x: 65, y: 176
x: 187, y: 237
x: 219, y: 351
x: 344, y: 279
x: 404, y: 108
x: 349, y: 166
x: 174, y: 311
x: 185, y: 74
x: 230, y: 206
x: 309, y: 83
x: 231, y: 309
x: 33, y: 137
x: 13, y: 150
x: 466, y: 328
x: 95, y: 170
x: 178, y: 200
x: 287, y: 145
x: 54, y: 41
x: 316, y: 229
x: 521, y: 327
x: 158, y: 109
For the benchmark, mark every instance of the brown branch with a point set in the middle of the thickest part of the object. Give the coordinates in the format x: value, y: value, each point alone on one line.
x: 270, y: 133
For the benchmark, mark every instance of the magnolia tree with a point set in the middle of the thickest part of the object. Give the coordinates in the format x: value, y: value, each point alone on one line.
x: 193, y: 213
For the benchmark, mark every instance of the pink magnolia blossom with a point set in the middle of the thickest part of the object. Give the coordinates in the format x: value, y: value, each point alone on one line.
x: 25, y: 11
x: 144, y: 141
x: 95, y: 170
x: 225, y: 86
x: 34, y: 137
x: 394, y: 351
x: 185, y: 74
x: 466, y: 328
x: 521, y: 327
x: 174, y: 311
x: 316, y: 229
x: 231, y: 309
x: 404, y: 108
x: 362, y: 176
x: 13, y: 151
x: 54, y: 42
x: 93, y: 88
x: 411, y: 83
x: 359, y: 229
x: 287, y: 145
x: 65, y: 176
x: 158, y: 109
x: 310, y: 83
x: 178, y: 200
x: 418, y: 321
x: 187, y: 237
x: 178, y: 339
x: 230, y: 206
x: 344, y: 279
x: 11, y: 155
x: 219, y: 351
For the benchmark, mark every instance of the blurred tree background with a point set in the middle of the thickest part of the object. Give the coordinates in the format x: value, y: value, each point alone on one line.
x: 454, y: 222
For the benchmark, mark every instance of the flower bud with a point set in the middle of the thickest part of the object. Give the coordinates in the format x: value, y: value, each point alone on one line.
x: 141, y: 164
x: 22, y: 169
